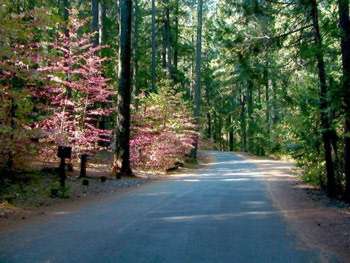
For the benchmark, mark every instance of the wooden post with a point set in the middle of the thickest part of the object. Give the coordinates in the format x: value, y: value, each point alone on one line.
x: 62, y: 172
x: 83, y: 161
x: 63, y: 152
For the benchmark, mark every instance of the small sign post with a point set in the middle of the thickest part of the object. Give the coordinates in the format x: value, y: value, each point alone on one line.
x: 83, y: 161
x: 63, y: 152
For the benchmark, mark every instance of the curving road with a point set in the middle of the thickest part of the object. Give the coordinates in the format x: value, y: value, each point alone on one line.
x: 223, y: 213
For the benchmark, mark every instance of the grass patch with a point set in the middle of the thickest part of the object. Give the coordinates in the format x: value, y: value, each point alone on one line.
x: 30, y: 189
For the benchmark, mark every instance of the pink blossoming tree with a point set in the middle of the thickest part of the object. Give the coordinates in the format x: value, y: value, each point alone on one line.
x: 77, y: 95
x: 163, y: 130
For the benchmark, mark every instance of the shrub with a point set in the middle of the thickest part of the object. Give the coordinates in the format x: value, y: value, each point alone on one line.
x: 163, y: 130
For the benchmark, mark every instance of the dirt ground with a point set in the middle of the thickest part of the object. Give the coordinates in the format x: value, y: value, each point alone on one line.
x: 320, y: 222
x: 38, y: 202
x: 12, y: 214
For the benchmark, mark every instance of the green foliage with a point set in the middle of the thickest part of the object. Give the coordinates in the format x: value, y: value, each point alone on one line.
x: 57, y: 191
x: 163, y: 129
x: 20, y: 49
x: 313, y: 170
x: 261, y: 69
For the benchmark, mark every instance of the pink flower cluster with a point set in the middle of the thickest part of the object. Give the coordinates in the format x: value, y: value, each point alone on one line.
x: 161, y: 137
x: 77, y: 97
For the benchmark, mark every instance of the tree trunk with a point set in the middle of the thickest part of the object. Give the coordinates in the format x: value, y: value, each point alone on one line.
x: 95, y: 20
x: 176, y: 34
x: 267, y: 99
x: 324, y: 104
x: 219, y: 131
x: 192, y: 73
x: 344, y: 22
x: 117, y: 21
x: 209, y: 132
x: 214, y: 128
x: 101, y: 17
x: 197, y: 88
x: 154, y: 47
x: 243, y: 121
x: 65, y: 10
x: 122, y: 143
x: 274, y: 110
x: 164, y: 35
x: 167, y: 60
x: 209, y: 117
x: 250, y: 103
x: 230, y: 134
x: 135, y: 70
x: 66, y: 7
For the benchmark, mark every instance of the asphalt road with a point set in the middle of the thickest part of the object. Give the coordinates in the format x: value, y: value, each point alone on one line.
x: 223, y: 213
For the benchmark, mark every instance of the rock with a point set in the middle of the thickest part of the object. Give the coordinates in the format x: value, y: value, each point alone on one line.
x: 85, y: 182
x: 179, y: 164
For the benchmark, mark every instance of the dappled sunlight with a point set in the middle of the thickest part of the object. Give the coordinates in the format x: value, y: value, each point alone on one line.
x: 231, y: 180
x: 250, y: 174
x: 219, y: 217
x: 239, y: 171
x: 254, y: 204
x: 155, y: 194
x: 255, y: 215
x: 234, y: 179
x: 191, y: 180
x: 180, y: 175
x: 62, y: 213
x: 227, y: 162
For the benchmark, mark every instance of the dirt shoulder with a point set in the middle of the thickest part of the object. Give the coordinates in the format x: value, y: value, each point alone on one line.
x: 33, y: 202
x: 320, y: 222
x: 35, y: 207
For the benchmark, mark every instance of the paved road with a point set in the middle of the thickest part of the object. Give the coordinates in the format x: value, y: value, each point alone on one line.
x: 221, y: 214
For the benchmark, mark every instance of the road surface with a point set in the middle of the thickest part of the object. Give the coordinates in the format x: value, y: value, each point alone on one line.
x: 223, y: 213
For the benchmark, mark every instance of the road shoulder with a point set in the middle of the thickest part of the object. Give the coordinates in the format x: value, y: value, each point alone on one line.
x: 320, y: 222
x: 15, y: 216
